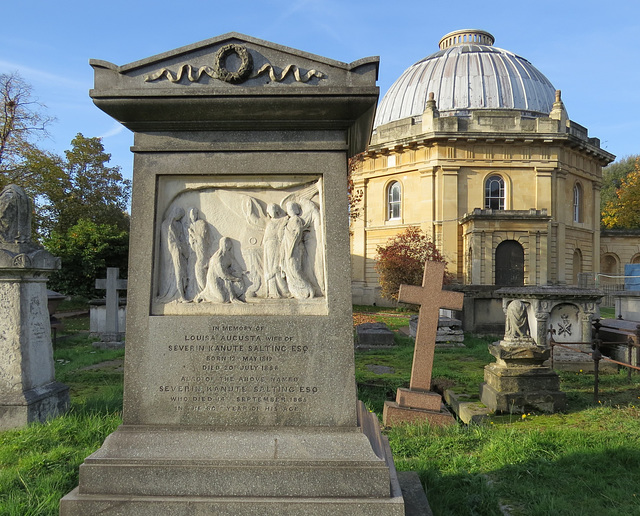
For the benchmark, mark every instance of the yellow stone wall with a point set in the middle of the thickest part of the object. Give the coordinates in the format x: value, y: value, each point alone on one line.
x: 442, y: 173
x: 617, y: 248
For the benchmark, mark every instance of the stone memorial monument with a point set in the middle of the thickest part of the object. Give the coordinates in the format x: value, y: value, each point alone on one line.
x: 418, y: 402
x: 521, y: 379
x: 28, y: 390
x: 239, y: 394
x: 105, y: 319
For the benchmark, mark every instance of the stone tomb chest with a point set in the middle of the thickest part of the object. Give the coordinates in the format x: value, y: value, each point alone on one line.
x: 239, y: 373
x: 569, y: 312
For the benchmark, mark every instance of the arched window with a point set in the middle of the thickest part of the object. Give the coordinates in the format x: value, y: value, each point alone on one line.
x: 609, y: 264
x: 609, y: 267
x: 577, y: 203
x: 577, y: 266
x: 509, y: 264
x: 494, y: 193
x: 394, y: 199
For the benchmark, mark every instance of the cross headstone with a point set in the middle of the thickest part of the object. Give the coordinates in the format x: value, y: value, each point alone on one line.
x: 112, y: 284
x: 430, y: 297
x: 418, y: 402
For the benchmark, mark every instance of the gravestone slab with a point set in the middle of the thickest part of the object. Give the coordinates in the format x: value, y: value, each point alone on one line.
x: 98, y: 317
x: 28, y: 390
x: 374, y: 335
x: 449, y: 333
x: 112, y: 331
x: 239, y: 394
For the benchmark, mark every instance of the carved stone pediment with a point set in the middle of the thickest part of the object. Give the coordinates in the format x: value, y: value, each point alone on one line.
x: 218, y: 74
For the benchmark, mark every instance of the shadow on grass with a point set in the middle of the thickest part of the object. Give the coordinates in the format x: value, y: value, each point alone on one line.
x: 602, y: 483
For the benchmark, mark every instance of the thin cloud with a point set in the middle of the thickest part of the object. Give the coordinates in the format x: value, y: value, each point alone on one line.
x: 115, y: 130
x: 313, y: 11
x: 42, y: 75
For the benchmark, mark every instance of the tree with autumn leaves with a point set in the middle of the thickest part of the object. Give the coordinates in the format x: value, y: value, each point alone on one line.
x: 401, y: 261
x: 79, y: 200
x: 623, y: 210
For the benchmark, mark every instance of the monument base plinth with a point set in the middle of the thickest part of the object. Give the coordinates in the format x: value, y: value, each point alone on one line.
x: 33, y: 406
x: 78, y: 504
x: 415, y: 407
x: 146, y: 470
x: 521, y: 388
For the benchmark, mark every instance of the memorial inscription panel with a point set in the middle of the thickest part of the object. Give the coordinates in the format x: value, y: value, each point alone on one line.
x: 238, y: 369
x: 223, y: 370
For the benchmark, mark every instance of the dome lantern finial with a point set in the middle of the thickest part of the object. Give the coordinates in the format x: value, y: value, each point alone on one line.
x: 466, y: 36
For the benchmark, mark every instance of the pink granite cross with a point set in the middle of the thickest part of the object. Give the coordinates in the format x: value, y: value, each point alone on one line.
x: 431, y: 298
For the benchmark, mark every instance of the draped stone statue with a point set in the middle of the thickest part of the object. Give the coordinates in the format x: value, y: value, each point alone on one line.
x: 517, y: 323
x: 198, y: 238
x: 174, y: 254
x: 293, y: 251
x: 272, y: 244
x: 15, y: 215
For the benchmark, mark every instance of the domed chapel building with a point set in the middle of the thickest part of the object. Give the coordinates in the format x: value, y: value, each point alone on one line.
x: 474, y: 145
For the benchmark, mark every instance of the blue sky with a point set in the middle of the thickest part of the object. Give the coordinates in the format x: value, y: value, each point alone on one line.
x: 585, y: 48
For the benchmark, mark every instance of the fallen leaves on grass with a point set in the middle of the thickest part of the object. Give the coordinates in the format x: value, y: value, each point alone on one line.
x: 362, y: 318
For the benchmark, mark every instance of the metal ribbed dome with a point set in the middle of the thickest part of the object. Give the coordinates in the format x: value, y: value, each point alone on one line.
x: 468, y: 73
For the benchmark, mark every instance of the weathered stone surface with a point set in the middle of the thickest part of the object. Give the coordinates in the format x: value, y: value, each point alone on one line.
x: 509, y: 353
x: 28, y: 390
x: 374, y: 335
x: 467, y: 408
x: 415, y: 500
x: 449, y: 330
x: 522, y: 401
x: 239, y: 375
x: 98, y: 317
x: 417, y: 399
x: 394, y: 414
x: 518, y: 379
x: 567, y: 311
x: 106, y: 320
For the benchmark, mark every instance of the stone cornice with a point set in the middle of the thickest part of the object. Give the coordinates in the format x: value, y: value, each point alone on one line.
x: 428, y: 139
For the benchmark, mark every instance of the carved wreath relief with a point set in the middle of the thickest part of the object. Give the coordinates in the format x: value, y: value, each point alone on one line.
x: 221, y: 71
x: 240, y: 242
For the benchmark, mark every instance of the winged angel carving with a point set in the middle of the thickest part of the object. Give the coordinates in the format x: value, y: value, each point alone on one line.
x: 285, y: 258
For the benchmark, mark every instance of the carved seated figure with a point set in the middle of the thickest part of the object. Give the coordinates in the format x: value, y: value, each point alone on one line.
x: 224, y: 277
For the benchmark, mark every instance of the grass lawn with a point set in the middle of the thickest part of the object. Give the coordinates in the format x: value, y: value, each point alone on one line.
x: 584, y: 462
x: 39, y: 464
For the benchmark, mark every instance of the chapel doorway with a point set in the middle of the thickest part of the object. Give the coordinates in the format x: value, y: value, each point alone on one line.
x: 509, y: 264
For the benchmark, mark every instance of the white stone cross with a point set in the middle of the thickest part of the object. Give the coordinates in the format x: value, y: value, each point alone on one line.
x: 431, y: 298
x: 112, y: 284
